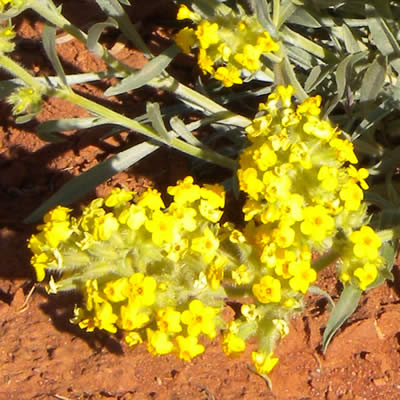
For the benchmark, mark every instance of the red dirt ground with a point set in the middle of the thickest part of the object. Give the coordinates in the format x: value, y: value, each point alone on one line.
x: 43, y: 356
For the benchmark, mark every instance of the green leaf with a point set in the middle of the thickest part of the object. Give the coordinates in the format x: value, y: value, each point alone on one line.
x: 113, y: 9
x: 49, y: 45
x: 151, y: 70
x: 382, y: 35
x: 342, y: 76
x: 95, y: 32
x: 81, y: 185
x: 183, y: 131
x: 263, y: 15
x: 68, y: 124
x: 345, y: 307
x: 302, y: 17
x: 373, y: 80
x: 155, y: 117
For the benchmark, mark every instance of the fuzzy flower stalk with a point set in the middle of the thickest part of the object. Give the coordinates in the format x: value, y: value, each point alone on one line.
x: 305, y: 195
x: 162, y: 275
x: 229, y: 46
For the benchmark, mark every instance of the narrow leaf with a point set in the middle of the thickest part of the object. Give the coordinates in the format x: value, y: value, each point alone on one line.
x: 373, y: 80
x: 382, y: 35
x: 154, y: 114
x: 151, y: 70
x: 69, y: 124
x: 81, y: 185
x: 183, y: 131
x: 345, y: 307
x: 95, y: 32
x: 113, y: 9
x: 49, y: 45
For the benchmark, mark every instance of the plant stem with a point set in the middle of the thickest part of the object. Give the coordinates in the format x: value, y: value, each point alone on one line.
x: 15, y: 69
x: 118, y: 119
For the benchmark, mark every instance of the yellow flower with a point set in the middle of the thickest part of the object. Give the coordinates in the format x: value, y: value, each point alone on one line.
x: 268, y: 290
x: 250, y: 57
x: 58, y: 214
x: 131, y: 318
x: 225, y: 51
x: 366, y: 275
x: 209, y: 212
x: 299, y: 153
x: 358, y: 176
x: 352, y: 195
x: 264, y: 362
x: 133, y: 338
x: 249, y: 182
x: 321, y: 129
x: 184, y: 191
x: 266, y: 44
x: 310, y: 106
x: 40, y: 262
x: 264, y: 156
x: 185, y: 216
x: 199, y: 319
x: 285, y: 93
x: 207, y: 245
x: 366, y: 243
x: 185, y: 39
x: 207, y: 33
x: 205, y: 62
x: 283, y: 235
x: 141, y: 289
x: 241, y: 275
x: 151, y: 198
x: 317, y: 223
x: 232, y: 344
x: 185, y: 13
x: 215, y: 273
x: 188, y: 347
x: 344, y: 150
x: 162, y: 227
x: 228, y: 75
x: 115, y: 290
x: 214, y: 194
x: 133, y: 216
x: 158, y: 342
x: 303, y: 275
x: 276, y: 187
x: 105, y: 226
x: 168, y: 320
x: 118, y: 197
x: 250, y: 312
x: 328, y: 177
x: 105, y: 318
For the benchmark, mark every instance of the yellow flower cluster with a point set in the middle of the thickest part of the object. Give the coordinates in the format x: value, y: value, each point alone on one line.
x: 302, y: 191
x: 162, y: 274
x: 140, y: 264
x: 227, y: 45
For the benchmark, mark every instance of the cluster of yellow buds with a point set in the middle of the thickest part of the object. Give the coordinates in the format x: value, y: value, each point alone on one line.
x: 7, y: 35
x: 228, y: 45
x: 304, y: 193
